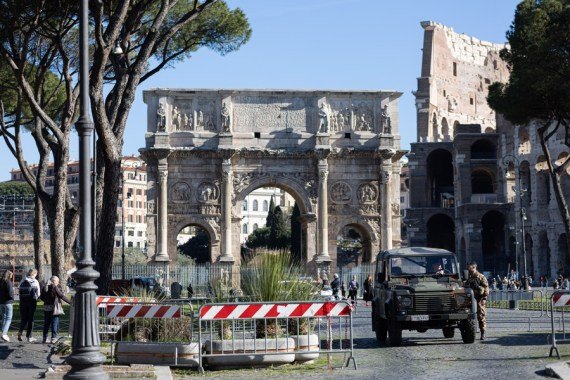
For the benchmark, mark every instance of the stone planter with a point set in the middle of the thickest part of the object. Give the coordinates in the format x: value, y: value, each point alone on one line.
x: 306, y: 343
x: 158, y: 353
x: 251, y: 352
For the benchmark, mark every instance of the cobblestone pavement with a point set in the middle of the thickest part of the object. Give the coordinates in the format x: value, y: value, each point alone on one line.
x: 510, y: 351
x: 23, y: 360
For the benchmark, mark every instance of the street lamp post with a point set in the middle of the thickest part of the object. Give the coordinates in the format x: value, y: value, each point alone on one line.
x: 85, y: 358
x: 519, y: 192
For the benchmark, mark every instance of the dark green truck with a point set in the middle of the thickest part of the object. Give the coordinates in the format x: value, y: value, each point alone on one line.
x: 419, y: 289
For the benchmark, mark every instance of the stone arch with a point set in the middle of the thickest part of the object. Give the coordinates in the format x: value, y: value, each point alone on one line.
x: 482, y: 181
x: 435, y: 127
x: 483, y: 149
x: 544, y: 253
x: 445, y: 129
x: 524, y: 140
x: 369, y: 237
x: 441, y: 232
x: 439, y: 176
x: 192, y: 220
x: 289, y: 185
x: 542, y: 182
x: 493, y: 242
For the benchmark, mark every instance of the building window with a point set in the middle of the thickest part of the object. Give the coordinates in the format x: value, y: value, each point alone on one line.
x: 130, y: 244
x: 139, y: 204
x: 139, y: 219
x: 139, y: 192
x: 130, y: 233
x: 138, y: 244
x: 265, y: 205
x: 131, y: 218
x: 255, y: 205
x: 117, y: 243
x: 131, y: 204
x: 244, y: 229
x: 139, y: 233
x: 130, y: 191
x: 454, y: 69
x: 244, y: 205
x: 471, y: 101
x: 255, y: 226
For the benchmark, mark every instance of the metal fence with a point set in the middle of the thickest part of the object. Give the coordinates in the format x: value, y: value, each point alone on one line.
x: 559, y: 306
x: 258, y: 333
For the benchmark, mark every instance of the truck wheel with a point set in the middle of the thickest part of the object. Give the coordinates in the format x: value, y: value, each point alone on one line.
x: 468, y: 330
x: 380, y: 329
x: 395, y: 333
x: 449, y: 332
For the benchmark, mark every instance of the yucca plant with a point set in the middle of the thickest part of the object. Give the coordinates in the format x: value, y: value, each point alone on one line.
x: 276, y: 277
x: 224, y: 328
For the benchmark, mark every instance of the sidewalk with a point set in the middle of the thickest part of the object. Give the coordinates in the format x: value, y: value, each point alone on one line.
x: 23, y: 360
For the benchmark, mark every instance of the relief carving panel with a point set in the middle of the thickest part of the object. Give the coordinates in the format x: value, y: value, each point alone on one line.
x: 269, y: 113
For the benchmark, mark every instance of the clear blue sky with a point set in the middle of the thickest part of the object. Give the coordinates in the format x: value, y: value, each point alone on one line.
x: 320, y: 44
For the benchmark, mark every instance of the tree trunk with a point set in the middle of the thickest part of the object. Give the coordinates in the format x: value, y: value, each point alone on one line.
x: 39, y: 252
x: 560, y: 200
x: 107, y: 222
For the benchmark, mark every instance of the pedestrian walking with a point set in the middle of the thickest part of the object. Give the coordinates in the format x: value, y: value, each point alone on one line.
x: 335, y: 285
x: 353, y: 289
x: 343, y: 290
x: 6, y: 302
x: 53, y: 308
x: 29, y: 294
x: 190, y: 291
x: 478, y: 283
x: 368, y: 286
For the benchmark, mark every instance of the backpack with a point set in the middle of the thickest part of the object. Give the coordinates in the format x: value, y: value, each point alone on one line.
x: 27, y: 291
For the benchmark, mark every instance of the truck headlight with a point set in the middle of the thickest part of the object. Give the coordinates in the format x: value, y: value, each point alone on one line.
x: 405, y: 301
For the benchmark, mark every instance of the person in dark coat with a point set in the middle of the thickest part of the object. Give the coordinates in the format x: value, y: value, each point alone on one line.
x: 335, y: 286
x: 52, y: 296
x: 368, y: 286
x: 6, y: 302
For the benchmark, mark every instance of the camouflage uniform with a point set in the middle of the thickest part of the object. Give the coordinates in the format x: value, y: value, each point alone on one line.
x: 480, y: 286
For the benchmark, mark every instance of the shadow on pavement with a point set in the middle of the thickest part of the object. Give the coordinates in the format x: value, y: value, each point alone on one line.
x: 5, y: 351
x: 518, y: 339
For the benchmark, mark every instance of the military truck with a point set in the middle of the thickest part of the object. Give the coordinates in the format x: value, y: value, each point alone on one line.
x: 420, y: 289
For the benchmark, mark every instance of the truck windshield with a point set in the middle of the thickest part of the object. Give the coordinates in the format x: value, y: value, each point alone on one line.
x: 423, y: 265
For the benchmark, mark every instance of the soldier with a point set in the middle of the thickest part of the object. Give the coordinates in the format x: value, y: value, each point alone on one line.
x: 480, y: 286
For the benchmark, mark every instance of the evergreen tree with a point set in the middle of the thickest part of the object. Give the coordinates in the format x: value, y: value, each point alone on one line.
x: 296, y: 233
x: 270, y: 214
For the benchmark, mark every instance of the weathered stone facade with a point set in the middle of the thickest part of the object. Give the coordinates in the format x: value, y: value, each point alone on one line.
x: 452, y: 89
x: 457, y: 193
x: 335, y: 152
x: 461, y: 198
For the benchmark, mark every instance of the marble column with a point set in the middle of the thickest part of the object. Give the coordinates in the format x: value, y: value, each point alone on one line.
x: 323, y: 216
x: 386, y: 206
x: 227, y: 211
x: 162, y: 254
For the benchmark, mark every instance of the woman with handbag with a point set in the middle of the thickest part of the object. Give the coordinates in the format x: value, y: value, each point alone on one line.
x: 52, y: 297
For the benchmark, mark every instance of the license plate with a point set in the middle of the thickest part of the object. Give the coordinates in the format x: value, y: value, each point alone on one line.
x: 420, y: 318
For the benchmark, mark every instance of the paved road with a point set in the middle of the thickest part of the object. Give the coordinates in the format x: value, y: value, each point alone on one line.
x: 511, y: 351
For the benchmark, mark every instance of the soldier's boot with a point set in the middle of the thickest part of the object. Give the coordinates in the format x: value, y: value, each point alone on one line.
x: 482, y: 334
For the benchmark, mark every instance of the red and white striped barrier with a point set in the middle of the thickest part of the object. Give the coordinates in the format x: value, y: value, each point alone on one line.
x: 274, y: 310
x: 561, y: 299
x: 104, y: 300
x: 142, y: 311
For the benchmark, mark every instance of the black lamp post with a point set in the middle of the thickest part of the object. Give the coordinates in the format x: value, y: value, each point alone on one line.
x: 519, y: 192
x: 85, y: 358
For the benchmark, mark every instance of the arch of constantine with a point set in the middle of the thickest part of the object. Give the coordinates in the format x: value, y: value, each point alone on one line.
x: 336, y: 152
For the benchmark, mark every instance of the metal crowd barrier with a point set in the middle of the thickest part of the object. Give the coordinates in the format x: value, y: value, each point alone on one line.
x: 139, y: 330
x: 258, y: 333
x: 559, y: 301
x: 534, y: 300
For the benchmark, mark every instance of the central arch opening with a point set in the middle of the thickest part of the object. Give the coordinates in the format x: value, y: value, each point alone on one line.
x: 194, y: 242
x: 440, y: 178
x: 353, y: 246
x: 441, y: 232
x: 270, y: 222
